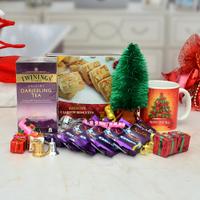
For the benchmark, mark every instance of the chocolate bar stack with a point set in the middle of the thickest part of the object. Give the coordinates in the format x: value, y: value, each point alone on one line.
x: 105, y: 137
x: 167, y: 144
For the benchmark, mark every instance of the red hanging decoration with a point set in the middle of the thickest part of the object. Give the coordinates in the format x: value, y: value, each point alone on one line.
x: 6, y: 22
x: 8, y: 63
x: 4, y: 45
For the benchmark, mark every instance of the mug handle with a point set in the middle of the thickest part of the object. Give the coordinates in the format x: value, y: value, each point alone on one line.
x: 188, y: 104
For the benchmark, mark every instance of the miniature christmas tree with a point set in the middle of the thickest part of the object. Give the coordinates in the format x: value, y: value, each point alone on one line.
x: 161, y: 108
x: 130, y: 81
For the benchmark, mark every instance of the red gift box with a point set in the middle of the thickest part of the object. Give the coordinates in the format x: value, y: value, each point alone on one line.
x: 164, y: 145
x: 176, y: 138
x: 170, y: 143
x: 18, y: 145
x: 23, y: 137
x: 184, y: 142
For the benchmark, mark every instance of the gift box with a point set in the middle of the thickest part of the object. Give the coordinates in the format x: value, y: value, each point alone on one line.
x: 184, y: 142
x: 167, y: 144
x: 22, y: 136
x: 163, y: 145
x: 18, y: 145
x: 84, y: 84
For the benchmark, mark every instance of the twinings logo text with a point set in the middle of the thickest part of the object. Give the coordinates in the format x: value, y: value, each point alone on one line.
x: 30, y: 78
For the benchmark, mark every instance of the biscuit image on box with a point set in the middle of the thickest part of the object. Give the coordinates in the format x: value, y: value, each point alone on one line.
x: 66, y: 96
x: 86, y: 68
x: 61, y: 67
x: 69, y: 60
x: 98, y: 74
x: 70, y: 84
x: 75, y: 67
x: 105, y: 87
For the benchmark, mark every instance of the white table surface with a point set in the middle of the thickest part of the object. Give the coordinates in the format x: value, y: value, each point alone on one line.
x: 38, y: 38
x: 75, y: 176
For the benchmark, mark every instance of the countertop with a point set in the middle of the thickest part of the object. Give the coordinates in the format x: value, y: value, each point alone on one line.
x: 76, y: 176
x: 39, y: 38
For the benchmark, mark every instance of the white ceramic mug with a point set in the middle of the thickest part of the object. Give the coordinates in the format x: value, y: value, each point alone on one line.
x: 162, y: 110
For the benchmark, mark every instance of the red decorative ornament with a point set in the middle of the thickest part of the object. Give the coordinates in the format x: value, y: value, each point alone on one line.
x: 8, y: 63
x: 6, y: 22
x: 8, y: 69
x: 188, y: 75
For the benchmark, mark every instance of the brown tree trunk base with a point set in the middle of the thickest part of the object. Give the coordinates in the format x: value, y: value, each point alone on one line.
x: 127, y: 115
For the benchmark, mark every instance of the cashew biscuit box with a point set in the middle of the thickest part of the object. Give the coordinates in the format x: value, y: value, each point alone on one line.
x: 84, y: 83
x: 37, y: 94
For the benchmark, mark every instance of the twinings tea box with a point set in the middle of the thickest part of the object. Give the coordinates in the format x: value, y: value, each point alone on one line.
x: 37, y: 92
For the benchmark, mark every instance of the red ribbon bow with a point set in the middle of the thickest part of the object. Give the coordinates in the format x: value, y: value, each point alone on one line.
x: 188, y: 75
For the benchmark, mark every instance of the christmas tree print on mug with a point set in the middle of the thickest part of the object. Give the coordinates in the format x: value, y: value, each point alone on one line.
x: 162, y: 109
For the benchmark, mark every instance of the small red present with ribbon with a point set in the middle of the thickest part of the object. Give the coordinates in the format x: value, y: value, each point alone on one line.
x: 167, y: 144
x: 184, y: 142
x: 22, y: 136
x: 164, y: 145
x: 18, y: 145
x: 188, y: 73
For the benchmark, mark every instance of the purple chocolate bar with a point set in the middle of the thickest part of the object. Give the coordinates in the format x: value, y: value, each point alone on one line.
x: 67, y: 138
x: 127, y: 142
x: 82, y: 140
x: 104, y: 145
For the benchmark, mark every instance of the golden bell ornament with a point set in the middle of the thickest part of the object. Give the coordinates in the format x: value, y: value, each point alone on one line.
x: 38, y: 149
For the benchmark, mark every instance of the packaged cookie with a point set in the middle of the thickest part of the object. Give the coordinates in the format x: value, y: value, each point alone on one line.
x: 61, y: 67
x: 75, y: 67
x: 70, y: 84
x: 86, y: 68
x: 89, y: 100
x: 98, y: 74
x: 69, y: 60
x: 105, y: 87
x: 66, y: 96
